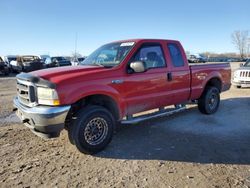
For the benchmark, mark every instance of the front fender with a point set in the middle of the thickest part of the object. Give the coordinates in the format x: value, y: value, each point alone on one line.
x: 79, y: 93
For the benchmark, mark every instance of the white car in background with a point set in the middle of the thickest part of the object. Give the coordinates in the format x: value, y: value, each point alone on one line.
x: 241, y: 77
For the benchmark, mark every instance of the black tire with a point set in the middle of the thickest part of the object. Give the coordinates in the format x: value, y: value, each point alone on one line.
x: 209, y: 101
x: 84, y: 129
x: 238, y: 87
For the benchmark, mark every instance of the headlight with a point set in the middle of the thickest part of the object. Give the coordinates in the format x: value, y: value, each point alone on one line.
x: 236, y: 74
x: 47, y: 96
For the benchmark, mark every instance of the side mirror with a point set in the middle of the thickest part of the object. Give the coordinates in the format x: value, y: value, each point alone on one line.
x: 241, y: 65
x: 138, y: 66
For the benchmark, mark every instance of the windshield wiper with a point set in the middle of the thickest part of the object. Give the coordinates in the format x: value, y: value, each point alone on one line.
x: 99, y: 64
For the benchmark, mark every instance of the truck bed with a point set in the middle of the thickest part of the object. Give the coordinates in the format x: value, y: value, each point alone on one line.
x: 201, y: 73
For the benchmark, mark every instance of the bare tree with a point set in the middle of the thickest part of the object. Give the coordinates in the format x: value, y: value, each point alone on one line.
x: 240, y: 40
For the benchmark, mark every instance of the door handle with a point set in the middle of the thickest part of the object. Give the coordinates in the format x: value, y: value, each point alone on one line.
x: 169, y: 76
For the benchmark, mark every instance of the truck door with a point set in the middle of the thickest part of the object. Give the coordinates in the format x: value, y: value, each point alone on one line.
x: 179, y: 72
x: 149, y: 89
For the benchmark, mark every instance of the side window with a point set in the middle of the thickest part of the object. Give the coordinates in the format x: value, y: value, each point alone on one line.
x: 176, y: 55
x: 152, y: 55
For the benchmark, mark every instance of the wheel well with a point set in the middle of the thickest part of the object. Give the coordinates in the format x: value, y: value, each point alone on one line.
x: 215, y: 82
x: 101, y: 100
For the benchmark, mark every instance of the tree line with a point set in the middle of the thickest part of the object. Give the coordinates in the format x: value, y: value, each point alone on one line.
x: 241, y: 42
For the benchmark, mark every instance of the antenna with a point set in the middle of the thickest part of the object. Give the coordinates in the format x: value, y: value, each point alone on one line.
x: 75, y: 44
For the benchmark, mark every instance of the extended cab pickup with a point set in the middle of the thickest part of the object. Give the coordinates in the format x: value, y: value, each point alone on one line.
x: 115, y: 82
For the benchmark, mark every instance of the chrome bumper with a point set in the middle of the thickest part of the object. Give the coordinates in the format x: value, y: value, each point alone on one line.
x: 42, y: 119
x: 241, y: 83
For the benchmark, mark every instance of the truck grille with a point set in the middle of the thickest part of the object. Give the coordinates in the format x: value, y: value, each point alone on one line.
x: 26, y: 93
x: 244, y: 73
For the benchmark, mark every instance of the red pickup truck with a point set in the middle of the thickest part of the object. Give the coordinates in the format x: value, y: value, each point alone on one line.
x: 115, y: 82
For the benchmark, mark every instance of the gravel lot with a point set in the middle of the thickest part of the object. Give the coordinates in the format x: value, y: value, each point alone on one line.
x: 184, y: 150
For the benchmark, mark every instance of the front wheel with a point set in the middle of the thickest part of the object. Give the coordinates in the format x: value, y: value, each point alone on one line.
x: 92, y: 129
x: 209, y: 101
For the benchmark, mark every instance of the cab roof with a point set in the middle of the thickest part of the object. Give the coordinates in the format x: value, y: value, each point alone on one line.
x: 146, y: 40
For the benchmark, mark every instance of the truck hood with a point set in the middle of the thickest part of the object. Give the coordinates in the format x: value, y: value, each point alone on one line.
x: 243, y: 68
x: 59, y: 74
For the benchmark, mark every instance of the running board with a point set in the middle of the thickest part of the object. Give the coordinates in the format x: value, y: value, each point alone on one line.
x: 160, y: 113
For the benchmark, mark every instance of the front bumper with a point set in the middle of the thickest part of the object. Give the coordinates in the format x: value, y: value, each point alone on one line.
x: 45, y: 121
x: 241, y: 83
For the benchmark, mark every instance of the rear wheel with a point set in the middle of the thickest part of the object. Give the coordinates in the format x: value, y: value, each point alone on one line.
x: 209, y: 101
x: 92, y: 129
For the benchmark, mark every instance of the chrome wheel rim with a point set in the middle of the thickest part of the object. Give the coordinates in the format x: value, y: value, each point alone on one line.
x: 96, y: 131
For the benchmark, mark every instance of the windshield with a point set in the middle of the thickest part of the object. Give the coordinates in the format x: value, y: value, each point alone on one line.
x: 29, y: 58
x: 109, y: 55
x: 11, y: 59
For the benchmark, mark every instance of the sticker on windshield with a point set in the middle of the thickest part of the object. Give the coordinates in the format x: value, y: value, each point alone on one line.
x: 127, y: 44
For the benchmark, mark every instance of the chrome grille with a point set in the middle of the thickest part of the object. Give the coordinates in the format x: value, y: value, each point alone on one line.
x: 26, y: 93
x: 244, y: 73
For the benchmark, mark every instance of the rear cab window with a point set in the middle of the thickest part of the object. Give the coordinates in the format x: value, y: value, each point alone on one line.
x: 176, y: 55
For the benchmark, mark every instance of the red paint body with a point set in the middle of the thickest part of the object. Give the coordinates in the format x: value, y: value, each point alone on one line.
x: 139, y: 91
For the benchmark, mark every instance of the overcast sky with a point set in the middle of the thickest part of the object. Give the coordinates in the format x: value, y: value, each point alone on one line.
x: 50, y: 26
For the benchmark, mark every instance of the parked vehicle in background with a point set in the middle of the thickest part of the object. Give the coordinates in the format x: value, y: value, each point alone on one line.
x: 114, y: 83
x: 80, y: 59
x: 57, y: 61
x: 5, y: 59
x: 10, y: 59
x: 241, y: 77
x: 196, y: 59
x: 4, y: 68
x: 27, y: 63
x: 44, y: 57
x: 77, y: 61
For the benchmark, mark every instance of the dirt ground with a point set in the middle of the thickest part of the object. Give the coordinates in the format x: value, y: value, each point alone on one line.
x: 184, y: 150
